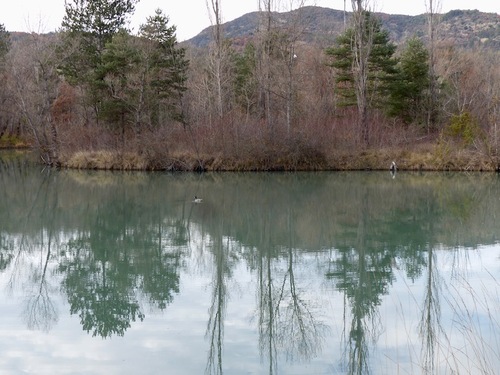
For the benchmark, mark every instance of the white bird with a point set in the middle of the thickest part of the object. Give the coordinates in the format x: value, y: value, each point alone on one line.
x: 197, y: 200
x: 393, y: 167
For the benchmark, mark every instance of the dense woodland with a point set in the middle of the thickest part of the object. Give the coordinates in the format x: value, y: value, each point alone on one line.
x: 94, y: 95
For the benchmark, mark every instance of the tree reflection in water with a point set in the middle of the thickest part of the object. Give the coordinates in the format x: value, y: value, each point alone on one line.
x: 118, y: 259
x: 221, y: 250
x: 96, y: 294
x: 289, y: 323
x: 39, y: 311
x: 116, y: 253
x: 430, y: 323
x: 363, y: 273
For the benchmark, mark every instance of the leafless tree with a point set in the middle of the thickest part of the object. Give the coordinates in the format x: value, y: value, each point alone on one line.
x: 264, y: 57
x: 361, y: 49
x: 276, y: 53
x: 433, y: 7
x: 216, y: 50
x: 34, y: 82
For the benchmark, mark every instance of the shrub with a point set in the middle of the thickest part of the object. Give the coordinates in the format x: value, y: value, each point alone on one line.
x: 463, y: 127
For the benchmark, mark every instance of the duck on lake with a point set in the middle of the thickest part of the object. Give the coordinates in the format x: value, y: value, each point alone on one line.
x: 197, y: 200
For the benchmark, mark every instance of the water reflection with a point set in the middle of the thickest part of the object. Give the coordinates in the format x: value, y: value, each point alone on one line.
x: 116, y: 246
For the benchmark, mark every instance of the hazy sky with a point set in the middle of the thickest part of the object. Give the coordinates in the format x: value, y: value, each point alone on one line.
x: 191, y: 16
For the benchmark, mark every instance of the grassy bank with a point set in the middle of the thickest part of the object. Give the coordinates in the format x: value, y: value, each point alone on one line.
x: 426, y: 157
x: 12, y: 142
x: 319, y: 146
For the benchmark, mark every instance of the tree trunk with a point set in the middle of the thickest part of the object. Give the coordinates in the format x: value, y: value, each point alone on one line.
x: 264, y: 59
x: 362, y: 44
x: 431, y: 20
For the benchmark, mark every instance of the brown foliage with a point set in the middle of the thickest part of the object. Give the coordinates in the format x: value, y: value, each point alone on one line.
x: 62, y: 109
x: 472, y: 81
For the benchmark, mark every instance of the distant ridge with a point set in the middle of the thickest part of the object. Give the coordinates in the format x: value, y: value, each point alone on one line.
x: 465, y: 28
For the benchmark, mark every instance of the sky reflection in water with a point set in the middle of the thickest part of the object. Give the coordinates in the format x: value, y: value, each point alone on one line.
x: 319, y: 273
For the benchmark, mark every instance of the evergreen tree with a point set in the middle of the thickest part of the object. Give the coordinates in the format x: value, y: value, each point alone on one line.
x: 120, y: 61
x: 342, y: 62
x: 4, y: 95
x: 245, y: 82
x: 143, y: 78
x: 88, y: 26
x: 96, y: 21
x: 409, y: 91
x: 380, y: 68
x: 165, y: 67
x: 4, y: 41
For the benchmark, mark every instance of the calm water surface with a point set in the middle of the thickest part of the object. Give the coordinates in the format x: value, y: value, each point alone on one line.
x: 300, y: 273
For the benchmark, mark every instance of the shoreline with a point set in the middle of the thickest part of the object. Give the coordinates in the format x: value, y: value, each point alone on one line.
x: 373, y: 159
x: 426, y: 158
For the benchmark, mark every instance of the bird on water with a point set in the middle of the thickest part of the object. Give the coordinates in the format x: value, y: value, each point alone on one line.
x: 197, y: 200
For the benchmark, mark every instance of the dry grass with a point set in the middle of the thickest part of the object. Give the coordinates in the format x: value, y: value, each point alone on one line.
x: 105, y: 159
x: 415, y: 154
x: 253, y: 147
x: 10, y: 141
x: 276, y: 158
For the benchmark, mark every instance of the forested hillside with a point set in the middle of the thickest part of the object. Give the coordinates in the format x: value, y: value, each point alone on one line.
x: 310, y: 89
x: 466, y: 28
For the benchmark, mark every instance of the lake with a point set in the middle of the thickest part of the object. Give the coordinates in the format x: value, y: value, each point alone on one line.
x: 272, y: 273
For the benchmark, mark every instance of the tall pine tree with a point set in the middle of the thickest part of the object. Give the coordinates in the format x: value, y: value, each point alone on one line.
x: 165, y: 67
x: 88, y: 25
x: 380, y: 67
x: 409, y: 91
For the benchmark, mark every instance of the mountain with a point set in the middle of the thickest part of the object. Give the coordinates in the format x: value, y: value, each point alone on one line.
x: 465, y: 28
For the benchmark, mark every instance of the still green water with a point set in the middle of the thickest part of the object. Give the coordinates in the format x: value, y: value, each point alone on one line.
x: 296, y: 273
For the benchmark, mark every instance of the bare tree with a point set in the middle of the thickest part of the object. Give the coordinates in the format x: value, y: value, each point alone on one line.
x: 34, y: 81
x: 345, y: 16
x: 216, y: 50
x: 220, y: 76
x: 361, y: 49
x: 433, y: 7
x: 264, y: 57
x: 276, y: 54
x: 292, y: 35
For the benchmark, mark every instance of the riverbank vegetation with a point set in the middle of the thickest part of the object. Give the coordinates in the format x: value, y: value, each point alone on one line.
x: 94, y: 95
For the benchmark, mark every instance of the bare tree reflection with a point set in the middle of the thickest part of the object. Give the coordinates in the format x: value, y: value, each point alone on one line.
x: 476, y: 308
x: 40, y: 312
x: 268, y: 299
x: 7, y: 249
x: 430, y: 323
x: 288, y: 322
x: 299, y: 331
x: 225, y: 256
x: 215, y: 328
